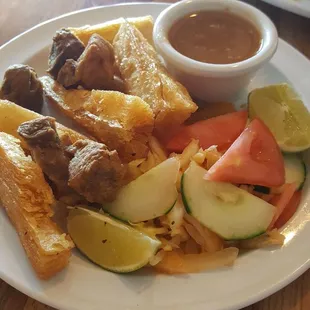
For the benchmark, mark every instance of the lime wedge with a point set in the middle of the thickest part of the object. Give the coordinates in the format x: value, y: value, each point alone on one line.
x: 109, y: 243
x: 283, y: 111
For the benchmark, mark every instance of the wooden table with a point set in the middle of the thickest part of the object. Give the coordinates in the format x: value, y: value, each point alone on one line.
x: 18, y: 15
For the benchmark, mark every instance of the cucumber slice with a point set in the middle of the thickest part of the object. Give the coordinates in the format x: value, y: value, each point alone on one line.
x: 295, y: 170
x: 151, y: 195
x: 229, y: 211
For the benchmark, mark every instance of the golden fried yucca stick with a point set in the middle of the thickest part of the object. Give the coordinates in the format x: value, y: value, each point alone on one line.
x: 109, y: 29
x: 120, y: 121
x: 27, y: 199
x: 12, y: 116
x: 146, y: 77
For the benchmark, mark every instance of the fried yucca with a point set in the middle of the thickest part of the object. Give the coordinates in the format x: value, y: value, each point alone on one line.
x: 146, y: 77
x: 27, y: 199
x: 12, y: 116
x: 109, y: 29
x: 120, y: 121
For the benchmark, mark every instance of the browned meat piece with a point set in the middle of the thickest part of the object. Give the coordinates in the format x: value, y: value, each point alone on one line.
x: 22, y: 86
x: 46, y: 149
x: 95, y: 172
x: 95, y: 68
x: 65, y: 46
x: 67, y: 74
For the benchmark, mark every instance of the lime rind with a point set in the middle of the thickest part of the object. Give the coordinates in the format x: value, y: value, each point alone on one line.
x: 283, y: 111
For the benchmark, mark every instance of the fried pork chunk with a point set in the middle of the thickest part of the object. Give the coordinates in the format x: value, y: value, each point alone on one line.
x: 95, y: 172
x: 22, y: 86
x: 65, y: 46
x: 147, y: 78
x: 85, y: 169
x: 95, y: 67
x: 47, y: 151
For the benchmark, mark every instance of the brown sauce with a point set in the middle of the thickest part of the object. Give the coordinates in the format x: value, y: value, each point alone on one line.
x: 217, y: 37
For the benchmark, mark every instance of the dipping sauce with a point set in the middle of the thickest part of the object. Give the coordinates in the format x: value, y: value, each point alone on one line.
x: 217, y: 37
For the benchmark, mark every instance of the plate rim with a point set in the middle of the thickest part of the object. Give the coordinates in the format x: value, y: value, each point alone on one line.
x: 289, y: 7
x: 134, y: 3
x: 281, y: 283
x: 268, y: 291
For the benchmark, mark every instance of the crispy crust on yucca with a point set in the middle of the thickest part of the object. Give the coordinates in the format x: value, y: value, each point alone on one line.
x: 27, y: 199
x: 146, y: 77
x: 12, y: 116
x: 109, y: 29
x: 122, y: 122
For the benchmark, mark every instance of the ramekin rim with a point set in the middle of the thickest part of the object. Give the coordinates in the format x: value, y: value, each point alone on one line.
x: 166, y: 50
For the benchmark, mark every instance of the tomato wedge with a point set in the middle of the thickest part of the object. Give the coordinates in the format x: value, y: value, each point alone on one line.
x: 254, y: 158
x: 289, y: 210
x: 222, y: 131
x: 286, y: 205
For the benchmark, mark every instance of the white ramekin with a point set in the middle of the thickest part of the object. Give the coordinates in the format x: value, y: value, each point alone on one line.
x: 213, y: 82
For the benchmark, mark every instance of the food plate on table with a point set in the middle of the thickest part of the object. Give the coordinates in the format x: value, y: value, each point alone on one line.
x: 238, y: 281
x: 300, y: 7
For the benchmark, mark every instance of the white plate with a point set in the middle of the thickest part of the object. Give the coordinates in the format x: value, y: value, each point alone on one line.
x: 85, y: 286
x: 300, y: 7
